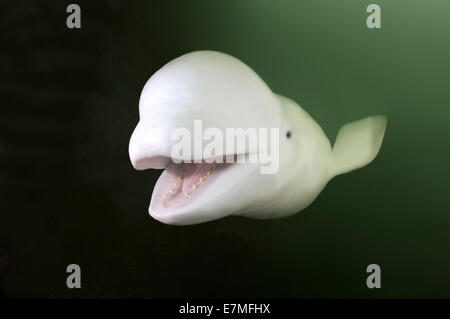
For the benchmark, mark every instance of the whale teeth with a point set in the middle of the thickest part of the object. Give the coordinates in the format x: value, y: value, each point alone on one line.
x: 168, y: 198
x: 209, y: 172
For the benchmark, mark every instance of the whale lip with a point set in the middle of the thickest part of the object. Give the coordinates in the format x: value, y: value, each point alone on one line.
x: 185, y: 189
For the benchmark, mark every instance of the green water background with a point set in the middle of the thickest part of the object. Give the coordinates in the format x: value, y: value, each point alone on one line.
x: 70, y: 194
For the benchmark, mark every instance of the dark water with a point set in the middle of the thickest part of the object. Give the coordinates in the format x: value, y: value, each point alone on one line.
x: 69, y: 193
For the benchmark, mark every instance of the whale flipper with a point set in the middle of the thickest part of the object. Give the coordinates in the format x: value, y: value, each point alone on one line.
x: 357, y: 144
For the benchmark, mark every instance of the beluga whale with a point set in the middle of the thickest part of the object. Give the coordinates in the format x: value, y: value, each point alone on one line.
x: 221, y: 92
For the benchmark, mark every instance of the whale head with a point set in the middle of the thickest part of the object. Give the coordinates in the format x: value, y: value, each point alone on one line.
x: 221, y: 92
x: 262, y: 180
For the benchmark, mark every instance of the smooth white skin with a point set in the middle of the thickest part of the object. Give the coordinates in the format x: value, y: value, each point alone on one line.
x: 225, y: 93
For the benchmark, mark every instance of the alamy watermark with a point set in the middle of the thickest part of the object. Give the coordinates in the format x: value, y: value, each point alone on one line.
x: 235, y: 145
x: 73, y: 20
x: 74, y: 279
x: 374, y: 279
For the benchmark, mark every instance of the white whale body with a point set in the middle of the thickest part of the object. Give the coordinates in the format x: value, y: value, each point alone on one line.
x: 223, y: 92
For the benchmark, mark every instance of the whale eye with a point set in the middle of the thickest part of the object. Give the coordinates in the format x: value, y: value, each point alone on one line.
x: 288, y: 134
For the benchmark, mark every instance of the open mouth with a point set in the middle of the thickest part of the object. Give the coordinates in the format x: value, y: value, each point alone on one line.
x: 182, y: 184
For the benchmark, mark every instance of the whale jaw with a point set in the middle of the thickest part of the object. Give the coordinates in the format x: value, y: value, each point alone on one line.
x: 181, y: 188
x: 191, y: 193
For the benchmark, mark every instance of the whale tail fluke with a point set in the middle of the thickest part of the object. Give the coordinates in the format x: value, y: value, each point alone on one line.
x: 358, y: 143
